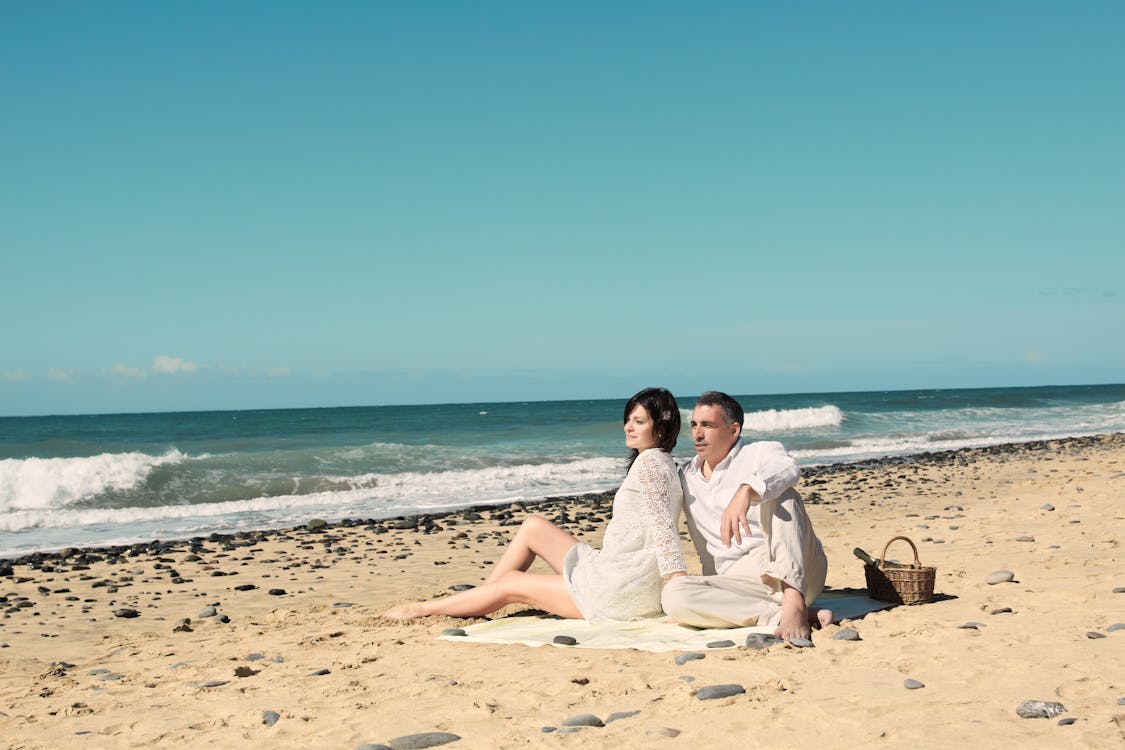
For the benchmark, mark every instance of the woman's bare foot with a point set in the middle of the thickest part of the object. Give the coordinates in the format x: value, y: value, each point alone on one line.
x: 408, y: 611
x: 821, y: 618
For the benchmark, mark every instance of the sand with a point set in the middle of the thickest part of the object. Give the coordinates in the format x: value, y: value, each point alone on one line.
x: 338, y: 676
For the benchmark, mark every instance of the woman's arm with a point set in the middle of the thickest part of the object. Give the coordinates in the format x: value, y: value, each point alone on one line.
x: 661, y: 498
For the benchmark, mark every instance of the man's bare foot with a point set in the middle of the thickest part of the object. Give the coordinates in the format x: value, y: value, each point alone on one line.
x: 408, y: 611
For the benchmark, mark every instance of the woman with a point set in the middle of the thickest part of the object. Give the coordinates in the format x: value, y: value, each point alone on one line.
x: 641, y: 548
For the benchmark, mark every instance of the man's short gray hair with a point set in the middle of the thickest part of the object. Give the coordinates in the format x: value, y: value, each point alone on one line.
x: 732, y: 410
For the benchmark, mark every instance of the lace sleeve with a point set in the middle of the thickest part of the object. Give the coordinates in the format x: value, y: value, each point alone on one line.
x: 661, y: 499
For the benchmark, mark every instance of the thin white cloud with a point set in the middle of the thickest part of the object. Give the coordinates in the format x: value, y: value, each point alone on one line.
x: 125, y: 371
x: 62, y: 376
x: 16, y: 376
x: 173, y: 365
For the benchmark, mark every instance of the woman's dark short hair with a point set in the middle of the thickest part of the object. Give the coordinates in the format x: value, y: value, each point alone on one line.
x: 732, y: 410
x: 664, y: 413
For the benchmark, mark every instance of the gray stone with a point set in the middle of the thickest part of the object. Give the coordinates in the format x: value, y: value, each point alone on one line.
x: 565, y: 640
x: 847, y: 634
x: 800, y: 642
x: 1121, y: 701
x: 548, y: 730
x: 207, y: 612
x: 1001, y: 611
x: 373, y: 746
x: 583, y: 720
x: 683, y: 659
x: 126, y: 612
x: 208, y: 684
x: 453, y: 631
x: 1025, y: 538
x: 1048, y: 507
x: 972, y: 626
x: 1067, y: 721
x: 1115, y: 627
x: 687, y: 678
x: 720, y: 644
x: 316, y: 524
x: 422, y: 740
x: 1093, y: 635
x: 913, y: 684
x: 277, y: 592
x: 711, y: 692
x: 1040, y: 709
x: 342, y: 605
x: 620, y: 715
x: 761, y: 640
x: 269, y: 718
x: 255, y: 656
x: 1000, y: 576
x: 1119, y: 590
x: 112, y: 677
x: 320, y: 673
x: 461, y: 587
x: 223, y: 618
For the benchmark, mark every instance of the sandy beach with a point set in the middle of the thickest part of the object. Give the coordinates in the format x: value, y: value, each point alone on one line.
x: 118, y: 648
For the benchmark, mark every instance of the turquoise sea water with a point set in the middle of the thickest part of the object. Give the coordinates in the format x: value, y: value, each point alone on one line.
x: 110, y: 479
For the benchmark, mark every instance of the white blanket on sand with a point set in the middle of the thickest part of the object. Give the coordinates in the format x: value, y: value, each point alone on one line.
x: 654, y: 634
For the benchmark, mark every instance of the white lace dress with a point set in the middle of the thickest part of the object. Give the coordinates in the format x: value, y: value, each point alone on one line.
x: 621, y: 581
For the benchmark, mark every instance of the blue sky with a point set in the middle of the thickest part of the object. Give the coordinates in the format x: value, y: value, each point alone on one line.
x: 214, y: 205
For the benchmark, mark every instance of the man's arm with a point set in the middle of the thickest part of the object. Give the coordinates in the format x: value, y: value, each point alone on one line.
x: 764, y: 470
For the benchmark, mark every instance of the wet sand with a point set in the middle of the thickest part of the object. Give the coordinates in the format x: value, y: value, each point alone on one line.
x: 117, y: 648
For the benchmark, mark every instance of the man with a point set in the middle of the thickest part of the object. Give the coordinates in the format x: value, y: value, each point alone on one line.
x: 762, y: 563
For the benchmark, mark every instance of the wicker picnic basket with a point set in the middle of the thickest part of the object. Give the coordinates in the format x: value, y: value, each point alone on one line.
x: 906, y: 584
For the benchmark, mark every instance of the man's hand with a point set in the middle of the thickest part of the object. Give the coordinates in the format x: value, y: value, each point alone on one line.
x: 733, y: 522
x: 794, y: 614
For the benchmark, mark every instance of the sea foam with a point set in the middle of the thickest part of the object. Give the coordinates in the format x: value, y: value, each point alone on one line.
x: 43, y: 483
x: 782, y: 420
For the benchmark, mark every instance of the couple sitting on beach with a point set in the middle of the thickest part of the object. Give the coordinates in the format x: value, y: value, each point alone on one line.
x: 762, y: 563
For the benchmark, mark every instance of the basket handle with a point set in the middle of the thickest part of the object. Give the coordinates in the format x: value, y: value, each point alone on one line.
x: 883, y: 557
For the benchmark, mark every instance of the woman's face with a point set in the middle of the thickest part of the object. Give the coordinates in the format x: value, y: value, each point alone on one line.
x: 639, y: 434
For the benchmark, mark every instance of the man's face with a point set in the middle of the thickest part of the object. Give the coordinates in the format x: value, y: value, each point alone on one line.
x: 711, y: 433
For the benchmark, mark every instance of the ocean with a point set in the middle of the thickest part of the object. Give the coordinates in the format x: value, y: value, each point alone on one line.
x: 117, y: 479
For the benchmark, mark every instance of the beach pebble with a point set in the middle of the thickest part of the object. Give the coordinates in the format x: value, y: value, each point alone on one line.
x: 208, y: 684
x: 711, y: 692
x: 620, y: 715
x: 461, y: 587
x: 687, y: 678
x: 548, y: 730
x: 1040, y: 709
x: 223, y: 618
x: 1067, y: 721
x: 1115, y: 627
x: 342, y: 605
x: 761, y: 640
x: 1119, y: 590
x: 720, y: 644
x: 316, y: 524
x: 255, y: 656
x: 126, y: 613
x: 972, y: 626
x: 245, y: 587
x: 583, y: 720
x: 800, y: 642
x: 277, y: 592
x: 1093, y: 635
x: 847, y: 634
x: 912, y: 684
x: 112, y: 677
x: 422, y: 740
x: 1048, y: 507
x: 1001, y: 611
x: 207, y: 612
x: 1025, y: 538
x: 245, y: 672
x: 1000, y: 576
x: 683, y: 659
x: 453, y: 631
x: 372, y: 746
x: 564, y: 640
x: 320, y: 672
x: 269, y: 718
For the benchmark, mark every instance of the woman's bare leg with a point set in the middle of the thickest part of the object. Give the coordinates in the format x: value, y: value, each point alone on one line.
x: 536, y: 537
x: 543, y: 591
